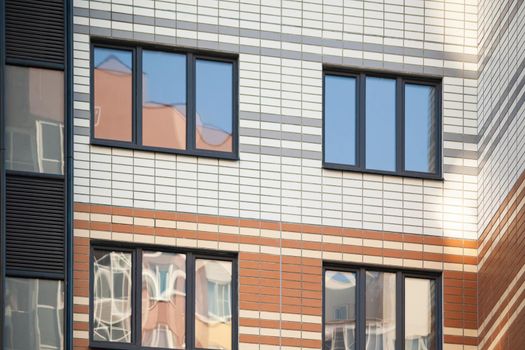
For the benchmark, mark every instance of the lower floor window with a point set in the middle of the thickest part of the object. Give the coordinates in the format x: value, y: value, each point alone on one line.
x: 145, y: 298
x: 375, y: 309
x: 34, y: 314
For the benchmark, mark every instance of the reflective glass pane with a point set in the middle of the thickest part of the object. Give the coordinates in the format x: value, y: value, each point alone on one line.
x: 34, y: 123
x: 380, y: 309
x: 113, y: 82
x: 163, y: 300
x: 164, y: 99
x: 214, y: 98
x: 420, y: 314
x: 420, y: 128
x: 340, y: 310
x: 213, y: 304
x: 34, y: 314
x: 112, y: 296
x: 380, y: 124
x: 340, y: 120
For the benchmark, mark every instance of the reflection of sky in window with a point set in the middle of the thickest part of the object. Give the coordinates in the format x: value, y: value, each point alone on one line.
x: 164, y: 77
x: 340, y: 119
x: 380, y: 124
x: 214, y: 94
x: 419, y: 127
x: 102, y: 54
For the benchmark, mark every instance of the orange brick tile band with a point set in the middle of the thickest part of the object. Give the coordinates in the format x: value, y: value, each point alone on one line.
x: 280, y: 267
x: 502, y: 275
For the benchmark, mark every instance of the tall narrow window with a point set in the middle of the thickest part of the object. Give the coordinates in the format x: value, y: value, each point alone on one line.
x: 420, y: 314
x: 34, y: 120
x: 420, y: 128
x: 380, y: 310
x: 163, y: 300
x: 380, y: 124
x: 340, y: 310
x: 112, y: 285
x: 340, y: 128
x: 34, y: 314
x: 214, y: 119
x: 113, y: 87
x: 213, y: 304
x: 164, y: 99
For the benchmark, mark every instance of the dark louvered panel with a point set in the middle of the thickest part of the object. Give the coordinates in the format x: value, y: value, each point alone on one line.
x: 35, y: 30
x: 35, y: 219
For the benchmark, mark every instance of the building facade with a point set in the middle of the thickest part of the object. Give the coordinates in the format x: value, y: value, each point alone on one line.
x: 183, y: 174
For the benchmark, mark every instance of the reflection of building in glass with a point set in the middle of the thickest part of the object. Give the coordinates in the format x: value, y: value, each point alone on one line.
x: 163, y: 124
x: 163, y: 300
x: 213, y: 324
x: 112, y: 296
x: 36, y: 305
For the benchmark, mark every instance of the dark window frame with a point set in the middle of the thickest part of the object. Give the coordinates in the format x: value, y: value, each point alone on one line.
x: 136, y: 301
x: 191, y: 57
x: 401, y: 80
x: 401, y: 274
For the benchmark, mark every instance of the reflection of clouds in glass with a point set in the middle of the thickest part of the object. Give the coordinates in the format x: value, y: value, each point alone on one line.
x: 213, y: 305
x: 112, y: 296
x: 163, y: 300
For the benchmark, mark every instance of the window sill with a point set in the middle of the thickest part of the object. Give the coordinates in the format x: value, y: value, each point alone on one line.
x: 412, y: 175
x: 198, y: 153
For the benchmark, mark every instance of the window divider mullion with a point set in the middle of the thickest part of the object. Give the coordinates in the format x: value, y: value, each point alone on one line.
x: 400, y: 134
x: 361, y: 117
x: 361, y: 309
x: 400, y: 311
x: 137, y: 97
x: 191, y: 115
x: 190, y: 301
x: 137, y: 291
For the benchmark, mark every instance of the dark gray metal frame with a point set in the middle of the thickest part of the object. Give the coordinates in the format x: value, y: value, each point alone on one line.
x: 401, y: 80
x: 191, y: 56
x: 68, y: 170
x: 401, y: 274
x: 136, y: 321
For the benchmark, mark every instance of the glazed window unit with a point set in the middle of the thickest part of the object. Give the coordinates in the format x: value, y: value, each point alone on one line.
x: 373, y: 308
x: 165, y: 100
x: 145, y: 298
x: 380, y: 123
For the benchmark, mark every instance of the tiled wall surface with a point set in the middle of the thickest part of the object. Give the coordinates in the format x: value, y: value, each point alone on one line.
x: 282, y: 46
x: 280, y: 268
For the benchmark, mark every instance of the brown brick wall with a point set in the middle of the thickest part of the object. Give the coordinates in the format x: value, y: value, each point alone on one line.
x: 501, y: 275
x: 280, y: 267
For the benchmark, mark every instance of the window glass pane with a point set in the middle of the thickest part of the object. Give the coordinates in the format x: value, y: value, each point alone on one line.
x: 34, y: 314
x: 340, y: 310
x: 380, y: 124
x: 420, y: 314
x: 380, y: 310
x: 213, y: 304
x: 163, y: 300
x: 340, y: 120
x: 164, y: 99
x: 420, y: 128
x: 112, y: 297
x: 113, y: 84
x: 214, y: 98
x: 34, y: 119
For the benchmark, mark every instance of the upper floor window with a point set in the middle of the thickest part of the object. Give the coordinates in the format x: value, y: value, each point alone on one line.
x: 382, y: 124
x: 375, y: 309
x: 162, y: 299
x: 164, y: 101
